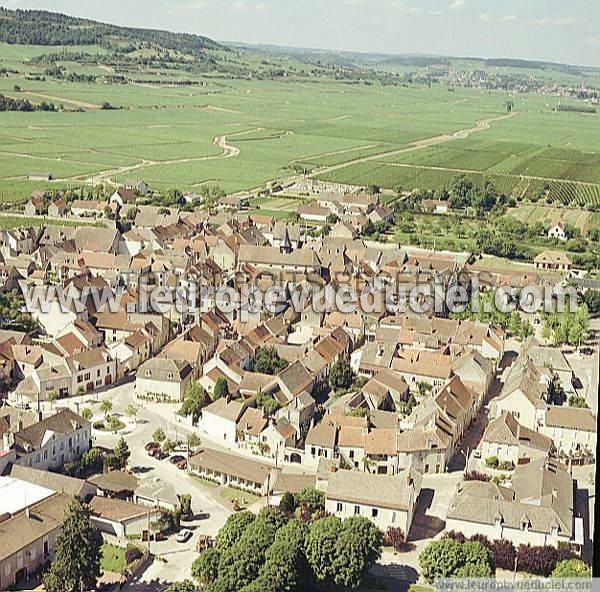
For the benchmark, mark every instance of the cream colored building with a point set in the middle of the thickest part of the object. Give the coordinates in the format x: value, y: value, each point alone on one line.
x: 54, y: 441
x: 538, y: 508
x: 161, y: 379
x: 28, y: 539
x: 509, y: 441
x: 572, y: 430
x: 386, y: 500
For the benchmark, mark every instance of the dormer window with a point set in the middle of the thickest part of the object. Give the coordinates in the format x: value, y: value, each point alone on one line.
x: 170, y: 376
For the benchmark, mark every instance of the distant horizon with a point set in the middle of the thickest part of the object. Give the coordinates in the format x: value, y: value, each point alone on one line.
x: 538, y: 31
x: 299, y: 48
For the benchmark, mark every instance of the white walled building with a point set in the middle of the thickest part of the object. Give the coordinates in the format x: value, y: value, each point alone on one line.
x: 388, y: 501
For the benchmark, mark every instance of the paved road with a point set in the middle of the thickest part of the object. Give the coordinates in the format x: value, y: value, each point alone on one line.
x: 586, y: 367
x: 210, y: 514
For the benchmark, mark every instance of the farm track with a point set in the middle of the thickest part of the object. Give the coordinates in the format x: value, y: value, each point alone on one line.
x: 81, y: 104
x: 418, y: 145
x: 229, y: 151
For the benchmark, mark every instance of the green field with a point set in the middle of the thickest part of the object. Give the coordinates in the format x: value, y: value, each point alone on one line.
x: 243, y: 134
x: 523, y: 154
x: 7, y: 221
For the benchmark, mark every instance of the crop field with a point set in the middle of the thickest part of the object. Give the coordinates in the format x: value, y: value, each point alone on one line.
x: 35, y: 221
x: 547, y: 215
x: 522, y: 155
x: 243, y: 134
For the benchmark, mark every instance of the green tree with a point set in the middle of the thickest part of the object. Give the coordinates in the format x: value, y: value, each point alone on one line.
x: 269, y: 404
x: 106, y: 407
x: 285, y: 566
x: 592, y: 301
x: 320, y: 547
x: 76, y: 564
x: 184, y: 586
x: 193, y: 442
x: 52, y: 397
x: 195, y: 399
x: 131, y: 411
x: 158, y: 435
x: 12, y: 315
x: 460, y: 196
x: 476, y: 554
x: 341, y: 376
x: 205, y: 568
x: 168, y: 446
x: 221, y: 388
x: 233, y: 529
x: 87, y: 414
x: 368, y: 228
x: 474, y: 570
x: 357, y: 549
x: 571, y: 568
x: 423, y: 387
x: 240, y: 564
x: 122, y: 453
x: 311, y: 497
x: 578, y: 401
x: 268, y: 361
x: 287, y: 503
x: 441, y: 559
x: 114, y: 424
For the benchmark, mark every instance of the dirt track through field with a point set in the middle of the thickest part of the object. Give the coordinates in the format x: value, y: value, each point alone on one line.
x: 74, y: 103
x: 418, y: 145
x: 229, y: 151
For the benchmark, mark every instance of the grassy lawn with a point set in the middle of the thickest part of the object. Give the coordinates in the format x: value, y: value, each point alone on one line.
x: 244, y: 498
x: 205, y: 482
x: 113, y: 558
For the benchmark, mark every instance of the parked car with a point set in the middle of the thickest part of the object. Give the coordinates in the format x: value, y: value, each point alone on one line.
x: 157, y: 453
x: 151, y: 446
x: 183, y: 535
x: 182, y: 465
x: 176, y: 459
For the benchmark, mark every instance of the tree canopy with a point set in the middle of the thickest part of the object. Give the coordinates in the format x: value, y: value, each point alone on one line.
x: 221, y: 388
x: 448, y: 557
x: 76, y: 564
x: 341, y: 376
x: 195, y: 399
x: 268, y: 361
x: 274, y: 551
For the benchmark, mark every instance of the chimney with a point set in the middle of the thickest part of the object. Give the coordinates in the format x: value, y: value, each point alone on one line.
x: 554, y: 493
x: 409, y: 479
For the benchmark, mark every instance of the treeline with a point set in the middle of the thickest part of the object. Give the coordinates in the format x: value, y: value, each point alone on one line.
x: 9, y: 104
x: 576, y: 108
x: 39, y: 27
x: 531, y: 65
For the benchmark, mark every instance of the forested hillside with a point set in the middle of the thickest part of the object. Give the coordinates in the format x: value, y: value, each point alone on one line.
x: 39, y: 27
